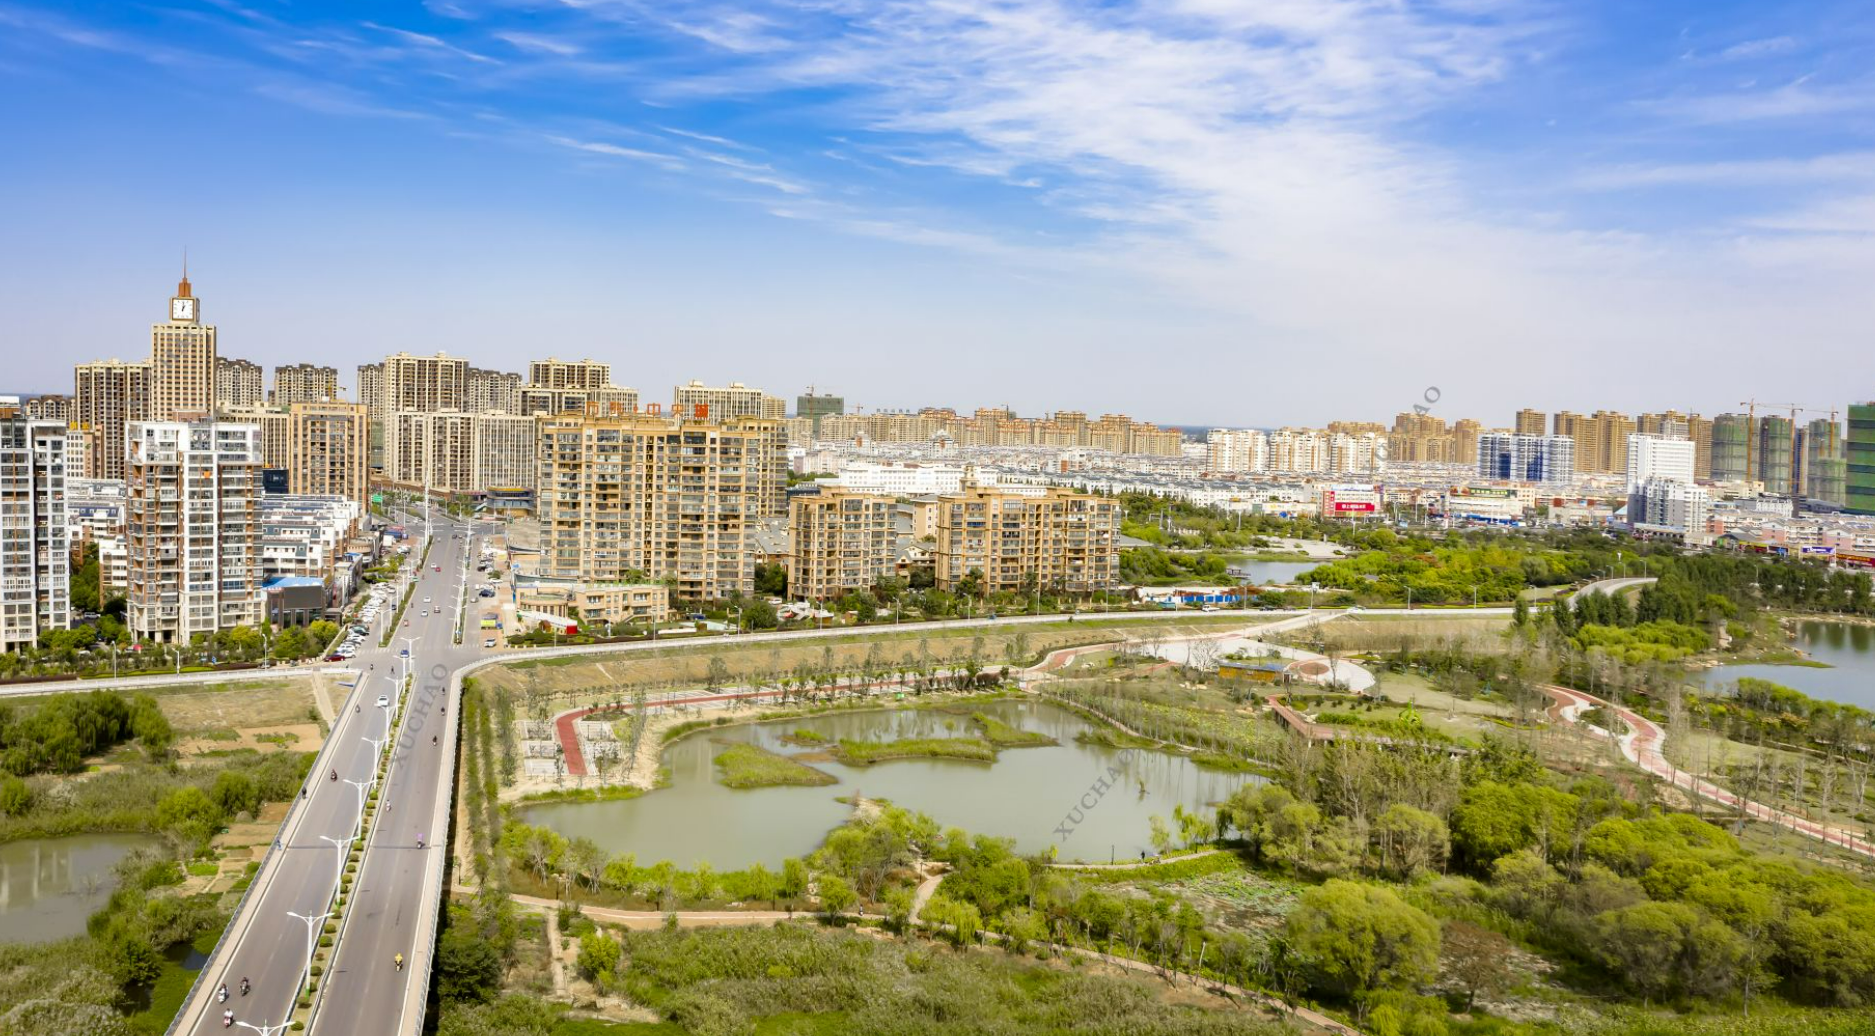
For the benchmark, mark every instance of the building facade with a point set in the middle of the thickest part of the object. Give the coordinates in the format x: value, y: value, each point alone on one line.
x: 839, y: 541
x: 192, y: 528
x: 1859, y: 460
x: 721, y: 404
x: 498, y: 391
x: 327, y: 450
x: 1509, y: 457
x: 1658, y: 456
x: 635, y: 497
x: 35, y: 537
x: 814, y: 406
x: 1057, y: 541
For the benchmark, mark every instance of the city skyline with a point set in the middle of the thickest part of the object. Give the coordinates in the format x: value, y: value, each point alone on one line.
x: 1441, y: 196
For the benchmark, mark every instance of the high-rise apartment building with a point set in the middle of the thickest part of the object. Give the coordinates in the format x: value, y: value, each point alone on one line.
x: 1731, y: 448
x: 238, y: 384
x: 1669, y: 506
x: 327, y: 447
x: 554, y: 373
x: 182, y: 361
x: 1530, y: 422
x: 839, y: 541
x: 573, y: 387
x: 1236, y: 450
x: 720, y: 404
x: 1658, y: 457
x: 457, y: 452
x: 814, y: 406
x: 371, y: 394
x: 1822, y: 472
x: 1859, y: 460
x: 1601, y: 439
x: 1510, y: 457
x: 35, y: 547
x: 1059, y: 541
x: 192, y: 528
x: 631, y: 497
x: 1774, y: 449
x: 498, y: 391
x: 107, y: 396
x: 276, y: 434
x: 307, y: 383
x: 416, y: 384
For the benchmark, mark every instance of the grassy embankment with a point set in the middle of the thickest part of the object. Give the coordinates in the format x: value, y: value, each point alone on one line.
x: 866, y: 753
x: 748, y: 766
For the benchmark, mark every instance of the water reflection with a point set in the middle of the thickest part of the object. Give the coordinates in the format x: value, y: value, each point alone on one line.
x: 49, y: 886
x: 1848, y: 648
x: 1025, y: 795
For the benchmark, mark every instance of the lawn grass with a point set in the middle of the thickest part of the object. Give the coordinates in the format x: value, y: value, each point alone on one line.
x: 1002, y: 735
x: 749, y: 766
x: 170, y: 989
x: 865, y: 753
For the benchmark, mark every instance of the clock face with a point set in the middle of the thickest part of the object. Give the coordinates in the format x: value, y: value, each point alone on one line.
x: 182, y: 309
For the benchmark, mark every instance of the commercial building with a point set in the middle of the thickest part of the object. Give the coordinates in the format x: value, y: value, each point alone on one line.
x: 609, y: 603
x: 305, y: 383
x: 192, y: 528
x: 839, y: 541
x: 899, y: 478
x: 238, y: 384
x: 1859, y: 460
x: 721, y: 404
x: 182, y: 361
x: 304, y: 537
x: 1496, y: 505
x: 811, y: 407
x: 35, y: 539
x: 671, y: 499
x: 327, y: 452
x: 1351, y: 502
x: 1511, y: 457
x: 1060, y: 541
x: 107, y: 396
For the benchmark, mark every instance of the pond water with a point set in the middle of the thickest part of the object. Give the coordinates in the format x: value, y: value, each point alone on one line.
x: 1849, y: 650
x: 49, y: 886
x: 1025, y: 795
x: 1268, y: 572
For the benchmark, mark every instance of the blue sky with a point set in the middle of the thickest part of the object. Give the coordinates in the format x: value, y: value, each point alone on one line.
x: 1196, y: 211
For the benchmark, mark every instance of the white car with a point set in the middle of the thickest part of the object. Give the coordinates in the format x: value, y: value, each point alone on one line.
x: 384, y: 701
x: 426, y: 600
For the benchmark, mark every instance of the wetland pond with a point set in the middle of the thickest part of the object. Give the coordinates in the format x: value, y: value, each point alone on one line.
x: 1027, y: 794
x: 1848, y: 650
x: 49, y: 886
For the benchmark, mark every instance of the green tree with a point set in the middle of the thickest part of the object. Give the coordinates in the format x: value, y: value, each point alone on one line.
x: 1364, y: 937
x: 598, y: 955
x: 1410, y: 840
x: 836, y: 895
x: 15, y: 797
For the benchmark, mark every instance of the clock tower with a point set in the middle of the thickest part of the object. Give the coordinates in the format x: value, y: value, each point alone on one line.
x: 183, y: 306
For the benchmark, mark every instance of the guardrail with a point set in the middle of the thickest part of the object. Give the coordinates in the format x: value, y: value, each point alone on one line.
x: 269, y: 864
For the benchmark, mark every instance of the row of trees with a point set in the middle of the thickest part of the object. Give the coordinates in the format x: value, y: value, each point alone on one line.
x: 59, y: 734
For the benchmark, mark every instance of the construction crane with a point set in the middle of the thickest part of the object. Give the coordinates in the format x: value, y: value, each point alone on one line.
x: 1794, y: 490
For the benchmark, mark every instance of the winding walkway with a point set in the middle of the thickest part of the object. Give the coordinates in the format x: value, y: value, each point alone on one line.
x: 1642, y: 746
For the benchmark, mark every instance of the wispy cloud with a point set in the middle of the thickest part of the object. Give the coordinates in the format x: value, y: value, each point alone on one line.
x: 1758, y: 48
x: 657, y: 158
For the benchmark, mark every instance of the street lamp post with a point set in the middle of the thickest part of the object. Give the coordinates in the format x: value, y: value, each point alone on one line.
x: 312, y: 931
x: 364, y: 788
x: 263, y: 1028
x: 338, y: 873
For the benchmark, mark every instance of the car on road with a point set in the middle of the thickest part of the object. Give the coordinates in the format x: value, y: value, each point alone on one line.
x: 426, y: 600
x: 384, y: 701
x: 439, y: 568
x: 489, y: 643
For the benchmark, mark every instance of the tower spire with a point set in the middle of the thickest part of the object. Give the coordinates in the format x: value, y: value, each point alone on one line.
x: 182, y: 289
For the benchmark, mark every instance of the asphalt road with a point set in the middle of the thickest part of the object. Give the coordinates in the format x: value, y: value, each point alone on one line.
x: 363, y: 991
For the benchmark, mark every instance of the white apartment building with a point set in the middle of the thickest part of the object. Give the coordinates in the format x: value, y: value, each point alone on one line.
x: 900, y: 478
x: 192, y: 528
x: 35, y: 555
x: 1669, y: 506
x: 305, y: 535
x: 1658, y: 456
x: 1237, y: 450
x: 94, y: 508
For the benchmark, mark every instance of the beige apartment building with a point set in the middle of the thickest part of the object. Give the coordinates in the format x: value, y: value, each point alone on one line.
x: 306, y: 383
x: 632, y: 497
x: 555, y: 373
x: 275, y: 432
x: 192, y: 528
x: 327, y: 450
x: 50, y: 407
x: 1057, y: 540
x: 1531, y: 422
x: 721, y: 404
x: 556, y: 386
x: 839, y: 541
x: 994, y: 426
x: 371, y: 394
x: 107, y: 395
x: 182, y: 361
x: 238, y: 384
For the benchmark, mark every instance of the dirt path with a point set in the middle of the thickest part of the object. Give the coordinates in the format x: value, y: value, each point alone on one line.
x: 1642, y: 744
